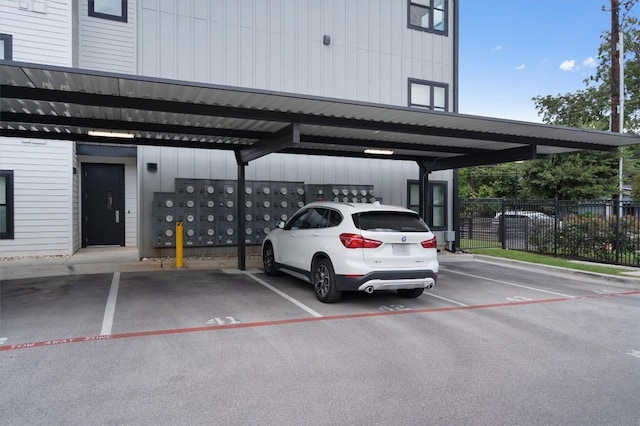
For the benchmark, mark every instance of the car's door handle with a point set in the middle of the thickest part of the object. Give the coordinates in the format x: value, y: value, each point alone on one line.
x: 316, y: 235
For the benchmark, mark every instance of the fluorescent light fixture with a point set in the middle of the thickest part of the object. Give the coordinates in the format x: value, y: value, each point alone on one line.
x: 106, y: 134
x: 378, y: 151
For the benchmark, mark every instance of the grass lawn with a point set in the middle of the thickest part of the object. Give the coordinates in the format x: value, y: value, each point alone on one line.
x: 548, y: 260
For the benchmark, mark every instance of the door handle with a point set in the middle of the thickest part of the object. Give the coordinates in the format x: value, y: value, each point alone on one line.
x: 117, y: 216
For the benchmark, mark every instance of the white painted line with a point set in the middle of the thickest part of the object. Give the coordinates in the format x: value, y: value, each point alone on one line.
x: 109, y: 311
x: 286, y: 296
x: 634, y: 353
x: 3, y: 340
x: 508, y: 283
x: 445, y: 299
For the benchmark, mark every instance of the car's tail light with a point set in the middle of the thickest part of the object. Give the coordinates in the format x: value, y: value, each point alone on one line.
x: 353, y: 241
x: 432, y: 243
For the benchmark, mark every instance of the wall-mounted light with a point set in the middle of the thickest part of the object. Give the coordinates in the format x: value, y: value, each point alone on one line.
x: 152, y: 167
x: 378, y: 151
x: 107, y: 134
x: 326, y: 39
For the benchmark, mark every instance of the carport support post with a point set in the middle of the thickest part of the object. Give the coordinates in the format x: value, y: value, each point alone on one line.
x: 424, y: 184
x: 242, y: 249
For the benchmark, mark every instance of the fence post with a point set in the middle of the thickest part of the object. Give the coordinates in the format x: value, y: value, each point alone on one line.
x: 619, y: 210
x: 555, y: 226
x: 501, y: 224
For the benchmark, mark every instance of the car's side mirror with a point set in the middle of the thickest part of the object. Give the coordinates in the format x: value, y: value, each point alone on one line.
x: 280, y: 224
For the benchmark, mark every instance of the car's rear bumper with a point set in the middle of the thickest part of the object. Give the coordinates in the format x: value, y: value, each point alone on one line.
x: 387, y: 280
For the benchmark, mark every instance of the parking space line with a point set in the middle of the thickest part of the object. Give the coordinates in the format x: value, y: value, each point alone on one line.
x: 239, y: 325
x: 110, y: 309
x: 445, y: 299
x: 509, y: 283
x: 286, y: 296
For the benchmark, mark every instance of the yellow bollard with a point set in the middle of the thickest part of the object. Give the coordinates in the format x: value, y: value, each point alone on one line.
x: 179, y: 248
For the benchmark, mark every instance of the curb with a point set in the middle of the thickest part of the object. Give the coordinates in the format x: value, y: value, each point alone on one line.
x: 557, y: 269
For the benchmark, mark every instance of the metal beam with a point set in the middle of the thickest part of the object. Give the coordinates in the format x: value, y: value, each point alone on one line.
x: 283, y: 138
x: 228, y: 145
x: 393, y: 145
x: 507, y: 155
x: 121, y: 125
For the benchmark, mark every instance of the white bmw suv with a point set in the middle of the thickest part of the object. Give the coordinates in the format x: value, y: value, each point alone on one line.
x: 354, y: 247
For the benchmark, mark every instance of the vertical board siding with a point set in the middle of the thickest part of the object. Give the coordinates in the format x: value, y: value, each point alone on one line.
x: 107, y: 45
x: 43, y: 38
x: 42, y: 179
x: 278, y: 45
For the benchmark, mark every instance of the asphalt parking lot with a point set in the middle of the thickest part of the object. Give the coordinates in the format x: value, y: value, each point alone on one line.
x: 491, y: 344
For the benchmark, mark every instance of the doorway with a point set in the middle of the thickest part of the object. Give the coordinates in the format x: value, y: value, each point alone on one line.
x: 102, y: 204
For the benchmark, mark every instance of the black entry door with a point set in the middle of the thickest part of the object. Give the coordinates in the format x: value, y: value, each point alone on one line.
x: 102, y: 204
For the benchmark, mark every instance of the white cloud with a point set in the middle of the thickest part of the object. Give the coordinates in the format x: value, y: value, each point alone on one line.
x: 589, y: 62
x: 568, y: 65
x: 519, y: 67
x: 497, y: 49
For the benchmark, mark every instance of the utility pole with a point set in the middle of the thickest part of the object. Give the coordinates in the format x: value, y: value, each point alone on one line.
x: 615, y: 66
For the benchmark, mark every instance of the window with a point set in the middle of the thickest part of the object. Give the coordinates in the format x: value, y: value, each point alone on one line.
x: 428, y: 15
x: 6, y: 47
x: 436, y: 202
x: 6, y: 205
x: 116, y: 10
x: 428, y: 95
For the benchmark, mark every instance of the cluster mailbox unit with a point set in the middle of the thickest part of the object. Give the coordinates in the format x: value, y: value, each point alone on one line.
x: 207, y: 208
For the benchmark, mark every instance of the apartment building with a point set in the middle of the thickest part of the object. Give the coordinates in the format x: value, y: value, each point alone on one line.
x: 390, y: 52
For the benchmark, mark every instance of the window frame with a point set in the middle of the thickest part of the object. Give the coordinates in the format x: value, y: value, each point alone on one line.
x: 8, y: 46
x: 429, y: 202
x: 8, y: 176
x: 431, y: 8
x: 431, y: 85
x: 121, y: 18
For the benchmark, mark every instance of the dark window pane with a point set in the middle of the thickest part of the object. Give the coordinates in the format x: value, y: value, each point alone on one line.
x: 419, y: 16
x: 390, y: 221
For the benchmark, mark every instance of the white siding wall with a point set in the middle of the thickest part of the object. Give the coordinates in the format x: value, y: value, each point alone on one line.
x: 43, y: 181
x: 277, y: 45
x: 107, y: 45
x: 41, y: 31
x: 130, y: 193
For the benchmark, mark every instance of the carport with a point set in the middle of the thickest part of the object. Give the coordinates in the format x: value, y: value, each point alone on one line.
x: 48, y: 102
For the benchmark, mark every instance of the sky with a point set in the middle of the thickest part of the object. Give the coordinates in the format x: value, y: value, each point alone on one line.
x: 513, y: 50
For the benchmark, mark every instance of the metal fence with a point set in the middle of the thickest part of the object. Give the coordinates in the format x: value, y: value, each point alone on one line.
x: 601, y: 231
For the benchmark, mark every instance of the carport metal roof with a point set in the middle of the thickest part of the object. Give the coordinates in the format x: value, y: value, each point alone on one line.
x: 39, y: 101
x: 49, y: 102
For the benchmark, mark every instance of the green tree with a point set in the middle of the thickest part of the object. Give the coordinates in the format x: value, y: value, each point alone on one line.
x: 591, y: 175
x: 583, y: 175
x: 501, y: 180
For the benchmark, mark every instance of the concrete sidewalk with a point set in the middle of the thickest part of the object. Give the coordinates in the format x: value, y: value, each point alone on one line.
x: 98, y: 260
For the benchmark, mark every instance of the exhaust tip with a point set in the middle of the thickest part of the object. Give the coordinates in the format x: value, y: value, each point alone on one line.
x: 369, y: 289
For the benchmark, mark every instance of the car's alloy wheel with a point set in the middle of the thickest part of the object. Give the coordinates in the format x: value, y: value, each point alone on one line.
x: 410, y: 293
x: 269, y: 260
x: 324, y: 282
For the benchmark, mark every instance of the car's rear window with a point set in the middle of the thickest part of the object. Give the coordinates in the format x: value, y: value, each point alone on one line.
x: 389, y: 221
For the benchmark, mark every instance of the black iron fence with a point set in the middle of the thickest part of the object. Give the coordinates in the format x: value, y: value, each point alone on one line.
x: 601, y: 231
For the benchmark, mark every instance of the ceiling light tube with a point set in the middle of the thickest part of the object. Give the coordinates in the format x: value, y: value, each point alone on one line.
x: 378, y: 151
x: 106, y: 134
